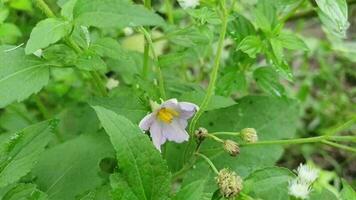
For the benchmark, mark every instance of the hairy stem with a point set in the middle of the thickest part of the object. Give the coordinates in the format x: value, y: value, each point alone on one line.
x: 214, y: 73
x: 340, y: 146
x: 169, y: 11
x: 146, y: 51
x: 321, y: 139
x: 155, y: 58
x: 42, y: 5
x: 208, y: 161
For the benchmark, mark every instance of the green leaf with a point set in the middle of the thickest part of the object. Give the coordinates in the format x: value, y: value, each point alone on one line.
x: 140, y: 164
x: 251, y: 45
x: 9, y: 33
x: 89, y: 61
x: 16, y: 117
x: 320, y: 192
x: 233, y: 81
x: 72, y: 168
x: 47, y: 32
x: 269, y: 183
x: 275, y: 53
x: 266, y: 17
x: 20, y: 153
x: 4, y: 13
x: 347, y: 191
x: 333, y: 14
x: 16, y: 69
x: 25, y: 191
x: 123, y: 104
x: 76, y: 120
x: 192, y: 191
x: 267, y: 79
x: 114, y: 13
x: 67, y: 9
x: 205, y: 15
x: 109, y: 47
x: 190, y: 36
x: 240, y: 27
x: 215, y: 103
x: 100, y: 193
x: 291, y: 41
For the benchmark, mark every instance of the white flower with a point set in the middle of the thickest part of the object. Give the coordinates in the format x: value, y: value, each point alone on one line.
x: 185, y: 4
x: 38, y: 53
x: 128, y: 31
x: 168, y: 122
x: 299, y: 189
x: 112, y: 83
x: 307, y: 174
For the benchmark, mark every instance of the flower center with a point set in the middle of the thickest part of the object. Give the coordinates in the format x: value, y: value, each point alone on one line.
x: 166, y: 115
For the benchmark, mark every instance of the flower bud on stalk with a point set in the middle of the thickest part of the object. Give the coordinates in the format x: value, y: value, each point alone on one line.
x: 229, y: 183
x: 201, y: 133
x: 231, y: 147
x: 249, y: 135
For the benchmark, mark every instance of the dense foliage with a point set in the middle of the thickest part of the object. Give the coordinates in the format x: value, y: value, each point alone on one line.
x: 96, y: 95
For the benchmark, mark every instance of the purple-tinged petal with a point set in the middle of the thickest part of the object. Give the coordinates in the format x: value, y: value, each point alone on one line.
x: 147, y: 121
x: 171, y: 103
x: 157, y: 135
x: 187, y: 109
x: 175, y: 132
x: 183, y: 123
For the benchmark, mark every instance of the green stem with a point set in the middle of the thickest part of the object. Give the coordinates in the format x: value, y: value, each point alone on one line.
x: 145, y: 60
x: 227, y: 133
x: 340, y: 146
x: 169, y: 11
x: 287, y: 141
x: 41, y: 107
x: 322, y: 139
x: 42, y: 5
x: 214, y: 73
x: 215, y: 138
x: 346, y: 138
x: 96, y: 80
x: 208, y: 161
x: 147, y: 4
x: 146, y: 51
x: 155, y: 58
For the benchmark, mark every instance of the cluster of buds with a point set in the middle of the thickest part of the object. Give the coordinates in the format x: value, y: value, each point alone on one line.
x: 249, y: 135
x: 229, y: 183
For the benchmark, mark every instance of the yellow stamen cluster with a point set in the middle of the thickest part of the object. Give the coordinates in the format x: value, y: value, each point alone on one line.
x: 166, y: 115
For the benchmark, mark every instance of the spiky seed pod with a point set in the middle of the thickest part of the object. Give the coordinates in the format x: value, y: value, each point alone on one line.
x: 230, y: 184
x: 231, y: 147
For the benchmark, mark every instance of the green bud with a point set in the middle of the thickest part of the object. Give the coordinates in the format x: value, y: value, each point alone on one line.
x: 201, y: 133
x: 249, y: 135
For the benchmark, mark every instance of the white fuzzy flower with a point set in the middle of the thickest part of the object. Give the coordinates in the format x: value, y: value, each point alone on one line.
x: 307, y: 173
x: 299, y: 189
x: 168, y: 122
x: 112, y: 83
x: 185, y: 4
